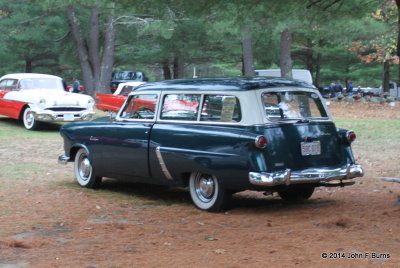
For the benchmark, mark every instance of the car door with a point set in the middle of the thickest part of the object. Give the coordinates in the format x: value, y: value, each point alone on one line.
x: 125, y: 144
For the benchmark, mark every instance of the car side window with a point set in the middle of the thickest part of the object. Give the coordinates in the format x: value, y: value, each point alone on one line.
x: 140, y: 107
x: 221, y: 108
x: 8, y: 84
x: 3, y: 84
x: 180, y: 107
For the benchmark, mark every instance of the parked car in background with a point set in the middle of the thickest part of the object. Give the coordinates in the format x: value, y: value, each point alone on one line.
x: 299, y: 74
x: 112, y: 102
x: 325, y: 91
x: 82, y: 88
x: 41, y: 97
x: 126, y: 76
x: 217, y: 137
x: 371, y: 91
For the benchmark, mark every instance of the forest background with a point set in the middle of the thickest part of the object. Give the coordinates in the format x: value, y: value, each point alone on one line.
x: 337, y: 40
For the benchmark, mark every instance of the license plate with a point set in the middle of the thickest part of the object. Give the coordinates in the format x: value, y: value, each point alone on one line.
x: 311, y: 148
x: 68, y: 117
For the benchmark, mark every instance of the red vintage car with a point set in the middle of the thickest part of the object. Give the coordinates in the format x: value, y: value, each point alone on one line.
x: 112, y: 102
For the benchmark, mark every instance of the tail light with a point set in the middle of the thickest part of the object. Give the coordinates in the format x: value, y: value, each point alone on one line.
x: 261, y: 142
x: 350, y: 136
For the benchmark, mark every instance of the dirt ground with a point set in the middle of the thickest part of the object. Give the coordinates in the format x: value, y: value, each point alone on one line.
x: 46, y: 220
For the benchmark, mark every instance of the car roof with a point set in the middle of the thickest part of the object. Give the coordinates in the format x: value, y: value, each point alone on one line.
x: 233, y: 83
x: 131, y: 83
x: 27, y: 75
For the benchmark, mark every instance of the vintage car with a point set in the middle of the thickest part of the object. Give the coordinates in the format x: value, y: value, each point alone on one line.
x: 119, y: 77
x: 113, y: 102
x: 219, y: 136
x: 82, y: 88
x: 41, y: 97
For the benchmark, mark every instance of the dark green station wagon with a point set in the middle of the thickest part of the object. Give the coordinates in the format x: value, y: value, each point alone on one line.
x: 217, y: 137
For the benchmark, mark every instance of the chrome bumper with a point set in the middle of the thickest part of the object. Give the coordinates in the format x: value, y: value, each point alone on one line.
x: 63, y: 159
x: 48, y: 115
x: 317, y: 175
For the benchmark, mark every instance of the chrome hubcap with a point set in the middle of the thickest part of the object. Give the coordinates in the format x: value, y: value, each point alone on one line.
x: 205, y: 188
x: 85, y: 168
x: 29, y: 118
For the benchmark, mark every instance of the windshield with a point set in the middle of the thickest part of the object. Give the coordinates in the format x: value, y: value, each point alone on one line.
x: 41, y: 83
x: 289, y: 105
x: 127, y: 75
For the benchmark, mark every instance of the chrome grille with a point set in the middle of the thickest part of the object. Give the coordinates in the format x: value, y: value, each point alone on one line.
x: 66, y: 109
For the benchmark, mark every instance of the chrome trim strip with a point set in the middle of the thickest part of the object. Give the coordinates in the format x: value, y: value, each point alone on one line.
x: 191, y: 152
x: 162, y: 164
x: 312, y: 175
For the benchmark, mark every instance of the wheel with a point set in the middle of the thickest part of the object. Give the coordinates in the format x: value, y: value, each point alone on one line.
x: 295, y: 193
x: 84, y: 171
x: 207, y: 193
x: 28, y: 119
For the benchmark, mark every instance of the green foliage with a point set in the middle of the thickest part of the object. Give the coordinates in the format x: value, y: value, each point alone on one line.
x: 206, y: 34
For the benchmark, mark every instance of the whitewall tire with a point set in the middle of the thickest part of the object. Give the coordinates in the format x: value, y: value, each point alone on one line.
x: 84, y: 172
x: 28, y: 119
x: 207, y: 193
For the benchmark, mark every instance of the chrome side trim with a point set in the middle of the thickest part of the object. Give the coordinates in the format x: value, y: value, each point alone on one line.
x: 162, y: 164
x: 313, y: 175
x: 63, y: 159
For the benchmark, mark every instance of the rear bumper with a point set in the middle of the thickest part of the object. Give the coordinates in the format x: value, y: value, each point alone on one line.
x: 317, y: 175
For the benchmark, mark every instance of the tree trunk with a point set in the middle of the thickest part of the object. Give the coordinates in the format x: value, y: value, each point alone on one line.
x: 107, y: 61
x: 178, y: 67
x: 285, y: 61
x: 96, y: 69
x: 77, y: 35
x: 310, y: 56
x: 28, y: 66
x: 317, y: 69
x: 386, y: 76
x: 166, y: 70
x: 93, y: 45
x: 247, y: 51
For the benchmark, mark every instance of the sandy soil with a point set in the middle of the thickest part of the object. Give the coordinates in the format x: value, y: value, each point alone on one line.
x: 48, y: 221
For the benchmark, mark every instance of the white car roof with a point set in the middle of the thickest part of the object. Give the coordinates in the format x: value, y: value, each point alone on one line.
x: 27, y: 75
x: 121, y: 85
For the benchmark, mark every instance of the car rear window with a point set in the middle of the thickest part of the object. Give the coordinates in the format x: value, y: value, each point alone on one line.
x: 290, y: 105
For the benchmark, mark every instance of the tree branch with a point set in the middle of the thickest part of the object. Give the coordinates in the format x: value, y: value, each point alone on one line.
x: 316, y: 2
x: 62, y: 37
x: 331, y: 4
x: 313, y: 3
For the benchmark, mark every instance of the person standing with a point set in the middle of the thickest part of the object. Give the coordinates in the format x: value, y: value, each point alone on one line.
x: 349, y: 88
x: 76, y: 85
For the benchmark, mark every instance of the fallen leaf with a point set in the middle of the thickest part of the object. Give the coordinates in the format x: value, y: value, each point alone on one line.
x: 219, y: 251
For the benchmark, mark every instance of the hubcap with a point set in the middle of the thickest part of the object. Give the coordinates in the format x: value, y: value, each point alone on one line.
x: 205, y: 188
x: 29, y: 118
x: 85, y: 168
